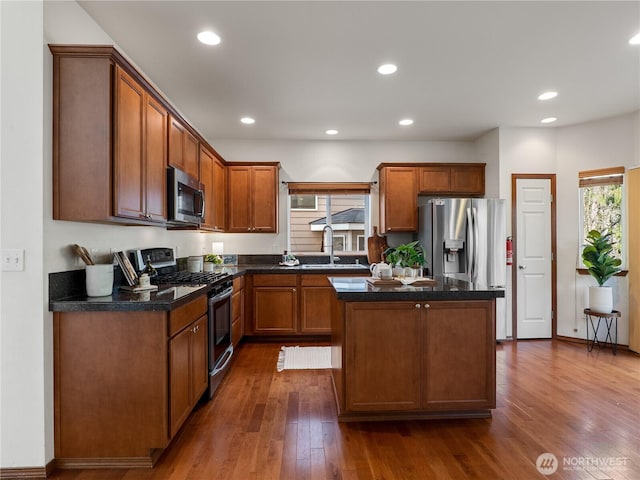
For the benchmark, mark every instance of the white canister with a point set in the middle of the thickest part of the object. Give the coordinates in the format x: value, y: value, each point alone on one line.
x: 194, y: 264
x: 99, y: 280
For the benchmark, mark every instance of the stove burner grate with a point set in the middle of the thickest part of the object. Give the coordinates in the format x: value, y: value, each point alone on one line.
x: 189, y: 278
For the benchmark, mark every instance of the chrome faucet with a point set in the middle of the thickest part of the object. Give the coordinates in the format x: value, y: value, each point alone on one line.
x: 330, y: 243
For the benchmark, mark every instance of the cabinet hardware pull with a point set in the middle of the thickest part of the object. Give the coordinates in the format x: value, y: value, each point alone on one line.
x: 417, y: 305
x: 426, y: 305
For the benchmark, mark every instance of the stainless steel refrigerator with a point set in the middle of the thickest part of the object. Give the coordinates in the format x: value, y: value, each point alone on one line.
x: 465, y: 238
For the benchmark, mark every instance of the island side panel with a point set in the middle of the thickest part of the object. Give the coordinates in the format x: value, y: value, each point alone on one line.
x: 337, y: 351
x: 110, y: 374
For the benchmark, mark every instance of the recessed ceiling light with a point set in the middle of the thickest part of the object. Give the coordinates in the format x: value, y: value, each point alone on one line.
x: 405, y: 122
x: 387, y: 69
x: 635, y: 40
x: 209, y: 38
x: 548, y: 120
x: 248, y: 120
x: 331, y: 132
x: 547, y: 95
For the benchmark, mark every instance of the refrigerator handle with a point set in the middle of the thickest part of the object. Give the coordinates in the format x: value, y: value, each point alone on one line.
x: 476, y: 239
x: 470, y: 247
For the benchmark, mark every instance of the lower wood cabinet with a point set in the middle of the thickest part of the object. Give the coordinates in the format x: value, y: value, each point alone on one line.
x: 291, y: 304
x: 275, y: 304
x: 383, y: 356
x: 315, y: 304
x: 237, y: 311
x: 188, y: 371
x: 124, y: 383
x: 433, y: 358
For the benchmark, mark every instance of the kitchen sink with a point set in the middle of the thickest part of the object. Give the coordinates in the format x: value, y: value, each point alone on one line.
x: 322, y: 266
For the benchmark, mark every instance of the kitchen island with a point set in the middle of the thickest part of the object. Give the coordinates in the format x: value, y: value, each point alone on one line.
x: 405, y: 352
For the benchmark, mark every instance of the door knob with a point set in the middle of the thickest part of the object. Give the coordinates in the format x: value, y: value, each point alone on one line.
x: 521, y: 267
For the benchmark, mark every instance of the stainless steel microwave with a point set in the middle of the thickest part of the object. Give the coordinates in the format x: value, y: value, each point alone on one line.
x: 185, y: 198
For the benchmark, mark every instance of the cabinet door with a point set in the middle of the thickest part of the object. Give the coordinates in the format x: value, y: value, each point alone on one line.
x: 467, y: 179
x: 398, y: 199
x: 315, y: 311
x: 155, y: 160
x: 128, y: 153
x: 237, y: 310
x: 383, y: 356
x: 183, y: 148
x: 176, y: 139
x: 264, y: 191
x: 199, y: 360
x: 239, y: 188
x: 434, y: 179
x: 219, y: 195
x: 459, y: 355
x: 206, y: 178
x: 190, y: 154
x: 179, y: 373
x: 274, y: 310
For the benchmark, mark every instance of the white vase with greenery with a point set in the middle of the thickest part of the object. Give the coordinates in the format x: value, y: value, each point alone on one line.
x: 602, y: 265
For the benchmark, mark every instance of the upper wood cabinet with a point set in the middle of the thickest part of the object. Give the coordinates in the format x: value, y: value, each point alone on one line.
x: 398, y: 199
x: 252, y: 198
x: 213, y: 179
x: 452, y: 179
x: 139, y: 152
x: 401, y: 183
x: 109, y: 140
x: 183, y: 148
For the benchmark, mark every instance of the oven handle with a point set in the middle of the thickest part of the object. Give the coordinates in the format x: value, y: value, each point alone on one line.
x: 222, y: 295
x: 226, y: 357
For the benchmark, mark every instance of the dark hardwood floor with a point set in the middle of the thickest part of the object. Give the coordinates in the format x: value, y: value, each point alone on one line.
x: 553, y: 397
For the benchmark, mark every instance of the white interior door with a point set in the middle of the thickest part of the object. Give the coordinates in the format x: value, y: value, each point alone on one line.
x: 533, y: 254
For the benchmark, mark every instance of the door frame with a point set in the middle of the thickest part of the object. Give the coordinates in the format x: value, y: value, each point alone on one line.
x: 554, y: 256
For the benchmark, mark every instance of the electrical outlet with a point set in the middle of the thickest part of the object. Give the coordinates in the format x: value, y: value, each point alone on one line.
x: 12, y: 260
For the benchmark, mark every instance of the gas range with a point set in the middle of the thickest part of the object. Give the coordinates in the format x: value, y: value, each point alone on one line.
x: 164, y: 261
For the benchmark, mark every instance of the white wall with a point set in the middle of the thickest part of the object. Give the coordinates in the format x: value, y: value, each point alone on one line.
x: 487, y: 150
x: 604, y: 143
x: 26, y: 410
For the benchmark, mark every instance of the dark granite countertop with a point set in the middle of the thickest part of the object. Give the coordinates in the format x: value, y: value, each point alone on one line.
x: 357, y: 289
x: 324, y: 269
x: 67, y: 293
x: 165, y: 298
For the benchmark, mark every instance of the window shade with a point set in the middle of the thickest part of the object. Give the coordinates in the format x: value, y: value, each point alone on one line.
x: 602, y: 176
x: 325, y: 188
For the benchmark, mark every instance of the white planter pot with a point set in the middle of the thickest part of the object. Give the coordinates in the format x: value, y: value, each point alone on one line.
x: 601, y: 299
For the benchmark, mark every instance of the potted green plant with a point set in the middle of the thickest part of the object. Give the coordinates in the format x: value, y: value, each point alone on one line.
x: 602, y: 265
x: 408, y: 255
x: 210, y: 261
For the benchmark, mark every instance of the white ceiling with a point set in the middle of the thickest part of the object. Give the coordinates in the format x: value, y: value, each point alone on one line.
x: 300, y: 67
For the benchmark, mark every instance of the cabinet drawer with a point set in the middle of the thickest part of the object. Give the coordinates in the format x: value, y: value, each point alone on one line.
x: 275, y: 280
x: 184, y: 315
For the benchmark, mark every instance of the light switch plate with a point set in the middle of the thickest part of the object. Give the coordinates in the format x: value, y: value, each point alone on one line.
x: 12, y: 260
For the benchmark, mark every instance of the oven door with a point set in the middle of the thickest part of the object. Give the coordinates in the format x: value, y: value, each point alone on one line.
x: 220, y: 346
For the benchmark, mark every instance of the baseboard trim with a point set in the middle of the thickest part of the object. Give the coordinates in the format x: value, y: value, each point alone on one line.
x: 582, y: 341
x: 108, y: 462
x: 20, y: 473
